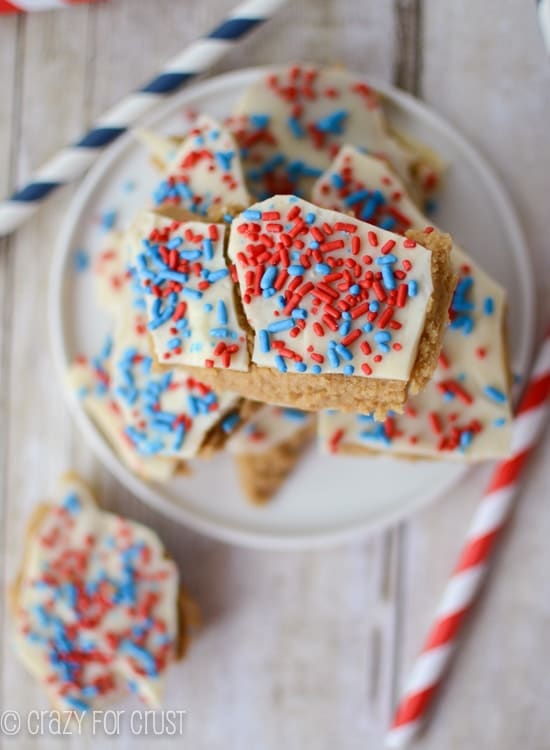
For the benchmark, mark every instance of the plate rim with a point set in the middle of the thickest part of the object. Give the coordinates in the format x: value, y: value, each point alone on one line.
x: 229, y: 531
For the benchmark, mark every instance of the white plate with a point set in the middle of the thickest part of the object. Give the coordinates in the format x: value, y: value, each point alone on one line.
x: 325, y: 500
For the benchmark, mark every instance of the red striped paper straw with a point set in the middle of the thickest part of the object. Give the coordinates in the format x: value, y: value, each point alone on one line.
x: 464, y: 584
x: 28, y: 6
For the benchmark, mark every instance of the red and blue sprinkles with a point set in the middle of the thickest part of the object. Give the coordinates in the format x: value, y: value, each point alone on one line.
x: 325, y: 293
x: 204, y: 173
x: 189, y: 292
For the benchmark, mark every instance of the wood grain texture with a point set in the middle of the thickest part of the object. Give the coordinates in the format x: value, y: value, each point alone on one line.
x: 299, y: 649
x: 485, y: 69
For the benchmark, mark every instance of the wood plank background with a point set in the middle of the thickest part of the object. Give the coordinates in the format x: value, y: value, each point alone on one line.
x: 300, y: 649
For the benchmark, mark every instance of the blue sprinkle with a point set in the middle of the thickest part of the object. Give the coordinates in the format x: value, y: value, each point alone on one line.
x: 367, y: 327
x: 357, y: 197
x: 108, y: 220
x: 354, y: 289
x: 368, y: 209
x: 462, y: 305
x: 344, y: 352
x: 280, y: 363
x: 208, y: 248
x: 161, y: 319
x: 81, y: 260
x: 171, y: 276
x: 300, y: 367
x: 75, y: 703
x: 495, y: 394
x: 230, y: 422
x: 488, y: 306
x: 332, y: 123
x: 344, y: 328
x: 365, y: 418
x: 374, y: 305
x: 388, y: 278
x: 174, y: 243
x: 316, y: 369
x: 280, y: 325
x: 265, y: 344
x: 296, y: 270
x: 349, y: 369
x: 431, y: 206
x: 71, y: 503
x: 194, y: 293
x: 386, y: 259
x: 190, y: 254
x: 222, y: 312
x: 295, y: 127
x: 224, y: 159
x: 310, y: 218
x: 466, y: 438
x: 89, y: 691
x: 333, y: 357
x: 259, y: 121
x: 214, y: 276
x: 500, y: 422
x: 223, y: 333
x: 337, y: 181
x: 388, y: 223
x: 382, y: 337
x: 464, y: 286
x: 413, y: 288
x: 322, y: 268
x: 252, y: 214
x: 269, y: 276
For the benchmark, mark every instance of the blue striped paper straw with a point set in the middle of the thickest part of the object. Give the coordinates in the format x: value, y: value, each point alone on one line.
x: 72, y: 161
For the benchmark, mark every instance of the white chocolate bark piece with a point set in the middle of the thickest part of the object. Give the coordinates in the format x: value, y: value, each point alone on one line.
x: 291, y: 123
x: 465, y: 412
x: 188, y: 291
x: 269, y: 427
x: 326, y: 294
x: 205, y: 171
x: 90, y: 380
x: 267, y: 450
x: 96, y: 604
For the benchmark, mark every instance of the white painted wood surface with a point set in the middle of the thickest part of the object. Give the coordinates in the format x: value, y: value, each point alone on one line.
x: 300, y: 650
